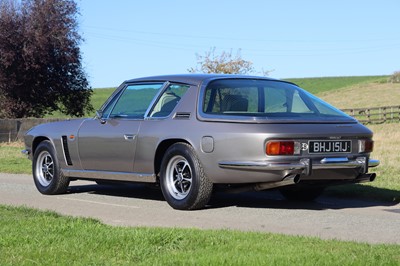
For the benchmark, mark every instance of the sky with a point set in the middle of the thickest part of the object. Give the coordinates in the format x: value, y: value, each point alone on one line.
x: 127, y: 39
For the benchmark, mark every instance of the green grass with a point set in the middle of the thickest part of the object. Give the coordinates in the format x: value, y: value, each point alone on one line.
x: 12, y: 160
x: 324, y: 84
x: 30, y: 237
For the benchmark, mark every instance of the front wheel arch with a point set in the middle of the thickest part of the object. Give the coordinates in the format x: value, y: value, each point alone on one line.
x: 47, y: 174
x: 37, y: 141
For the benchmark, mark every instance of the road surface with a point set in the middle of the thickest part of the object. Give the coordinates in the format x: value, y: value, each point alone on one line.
x: 139, y: 205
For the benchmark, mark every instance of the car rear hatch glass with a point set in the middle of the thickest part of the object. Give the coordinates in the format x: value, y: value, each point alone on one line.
x: 269, y: 101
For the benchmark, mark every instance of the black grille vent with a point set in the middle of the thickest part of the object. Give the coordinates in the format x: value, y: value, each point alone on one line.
x: 66, y: 150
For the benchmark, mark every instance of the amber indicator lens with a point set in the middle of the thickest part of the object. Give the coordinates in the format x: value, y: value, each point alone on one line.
x: 280, y: 148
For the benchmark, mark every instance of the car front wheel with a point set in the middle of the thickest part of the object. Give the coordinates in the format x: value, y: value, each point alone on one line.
x: 47, y: 176
x: 183, y: 181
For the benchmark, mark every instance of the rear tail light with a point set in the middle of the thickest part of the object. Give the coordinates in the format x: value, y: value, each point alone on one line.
x: 365, y: 146
x: 282, y: 148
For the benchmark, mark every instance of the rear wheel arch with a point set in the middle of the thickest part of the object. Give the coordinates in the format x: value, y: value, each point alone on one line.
x: 182, y: 179
x: 161, y: 150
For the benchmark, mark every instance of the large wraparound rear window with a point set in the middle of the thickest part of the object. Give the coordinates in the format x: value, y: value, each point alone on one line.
x: 266, y: 99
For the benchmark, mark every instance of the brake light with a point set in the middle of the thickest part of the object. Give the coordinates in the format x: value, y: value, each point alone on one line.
x: 280, y: 148
x: 365, y: 145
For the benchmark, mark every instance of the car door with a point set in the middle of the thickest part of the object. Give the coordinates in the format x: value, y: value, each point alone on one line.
x: 108, y: 143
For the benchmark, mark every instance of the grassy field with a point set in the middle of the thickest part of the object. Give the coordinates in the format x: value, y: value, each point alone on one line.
x: 30, y: 237
x: 12, y: 160
x: 325, y: 84
x: 363, y: 95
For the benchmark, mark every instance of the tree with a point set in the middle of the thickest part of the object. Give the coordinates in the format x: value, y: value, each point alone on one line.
x: 40, y: 59
x: 225, y: 63
x: 395, y: 77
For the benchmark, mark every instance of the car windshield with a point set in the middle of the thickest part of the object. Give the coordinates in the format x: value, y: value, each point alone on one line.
x: 266, y: 99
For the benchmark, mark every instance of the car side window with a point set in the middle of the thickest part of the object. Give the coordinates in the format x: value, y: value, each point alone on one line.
x: 168, y: 100
x: 107, y: 110
x: 135, y: 100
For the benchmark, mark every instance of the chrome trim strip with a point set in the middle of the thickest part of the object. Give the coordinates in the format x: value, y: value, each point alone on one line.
x: 261, y: 165
x: 63, y: 151
x: 155, y: 99
x: 105, y: 175
x: 326, y: 163
x: 335, y: 160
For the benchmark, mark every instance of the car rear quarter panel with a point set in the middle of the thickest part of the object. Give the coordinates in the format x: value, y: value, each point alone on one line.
x: 247, y: 142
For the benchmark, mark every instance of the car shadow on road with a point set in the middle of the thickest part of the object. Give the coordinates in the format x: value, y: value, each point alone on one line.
x: 131, y: 190
x: 273, y: 200
x: 270, y: 199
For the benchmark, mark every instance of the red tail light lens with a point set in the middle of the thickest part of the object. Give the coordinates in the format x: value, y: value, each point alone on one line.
x: 366, y: 145
x: 280, y: 148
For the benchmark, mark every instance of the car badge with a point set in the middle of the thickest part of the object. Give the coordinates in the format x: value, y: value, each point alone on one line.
x: 304, y: 146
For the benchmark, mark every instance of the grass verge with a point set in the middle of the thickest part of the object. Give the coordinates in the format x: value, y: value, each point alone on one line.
x: 35, y: 237
x: 12, y: 160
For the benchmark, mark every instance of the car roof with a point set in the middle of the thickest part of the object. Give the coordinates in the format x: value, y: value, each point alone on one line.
x: 194, y: 79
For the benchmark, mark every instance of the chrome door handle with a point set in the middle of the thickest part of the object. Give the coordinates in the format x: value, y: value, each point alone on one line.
x: 129, y: 136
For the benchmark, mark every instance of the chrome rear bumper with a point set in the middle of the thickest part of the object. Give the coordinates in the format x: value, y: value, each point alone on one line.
x: 304, y: 165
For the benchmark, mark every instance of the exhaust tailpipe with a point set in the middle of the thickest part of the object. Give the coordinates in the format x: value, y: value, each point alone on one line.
x: 289, y: 180
x: 363, y: 178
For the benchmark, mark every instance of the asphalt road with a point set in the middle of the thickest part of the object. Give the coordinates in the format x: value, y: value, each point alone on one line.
x: 138, y: 205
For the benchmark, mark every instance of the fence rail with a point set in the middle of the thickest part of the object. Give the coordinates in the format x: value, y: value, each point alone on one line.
x: 14, y: 129
x: 8, y: 137
x: 371, y: 115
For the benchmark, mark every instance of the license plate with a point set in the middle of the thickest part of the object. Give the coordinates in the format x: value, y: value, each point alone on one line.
x: 330, y: 146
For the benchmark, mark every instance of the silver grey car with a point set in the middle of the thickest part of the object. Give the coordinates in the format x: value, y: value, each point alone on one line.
x: 191, y: 133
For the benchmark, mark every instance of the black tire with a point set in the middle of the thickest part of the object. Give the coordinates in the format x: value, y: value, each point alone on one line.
x: 47, y: 175
x: 182, y: 179
x: 301, y: 193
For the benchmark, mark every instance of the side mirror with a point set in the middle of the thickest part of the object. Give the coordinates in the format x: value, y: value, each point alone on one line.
x: 99, y: 115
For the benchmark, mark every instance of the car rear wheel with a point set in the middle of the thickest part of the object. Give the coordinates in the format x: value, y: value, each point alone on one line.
x: 183, y: 181
x: 47, y: 176
x: 301, y: 193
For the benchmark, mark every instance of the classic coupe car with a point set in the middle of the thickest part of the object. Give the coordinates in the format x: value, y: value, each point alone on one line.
x: 190, y: 133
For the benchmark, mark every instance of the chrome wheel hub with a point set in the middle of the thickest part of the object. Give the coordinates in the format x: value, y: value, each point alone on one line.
x: 178, y: 177
x: 44, y: 169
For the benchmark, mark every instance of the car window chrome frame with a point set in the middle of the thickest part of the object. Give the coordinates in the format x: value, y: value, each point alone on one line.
x: 158, y: 97
x: 112, y: 96
x: 155, y: 99
x: 118, y: 93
